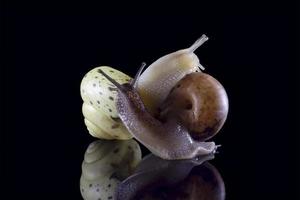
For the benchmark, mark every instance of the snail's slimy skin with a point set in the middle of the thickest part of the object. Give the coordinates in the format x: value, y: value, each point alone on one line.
x: 200, y: 103
x: 168, y: 140
x: 105, y: 165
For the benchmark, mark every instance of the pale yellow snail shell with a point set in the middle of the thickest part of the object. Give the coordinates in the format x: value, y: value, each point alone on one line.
x: 99, y: 109
x: 105, y: 165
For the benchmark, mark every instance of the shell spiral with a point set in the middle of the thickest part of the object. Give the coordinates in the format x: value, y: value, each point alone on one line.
x: 99, y: 104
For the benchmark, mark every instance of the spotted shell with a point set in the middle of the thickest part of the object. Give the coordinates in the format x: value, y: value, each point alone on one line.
x: 99, y: 107
x: 105, y: 165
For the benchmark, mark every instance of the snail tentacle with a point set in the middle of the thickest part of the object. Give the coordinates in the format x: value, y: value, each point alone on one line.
x: 134, y: 82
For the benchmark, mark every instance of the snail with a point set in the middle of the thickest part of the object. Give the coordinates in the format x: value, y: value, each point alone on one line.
x: 106, y: 163
x: 155, y: 178
x: 170, y: 139
x: 99, y: 107
x: 161, y: 76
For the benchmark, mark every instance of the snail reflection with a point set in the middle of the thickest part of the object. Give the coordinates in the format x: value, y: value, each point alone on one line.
x: 115, y: 170
x: 158, y: 179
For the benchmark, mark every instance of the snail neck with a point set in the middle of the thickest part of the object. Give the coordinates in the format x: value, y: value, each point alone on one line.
x: 130, y: 105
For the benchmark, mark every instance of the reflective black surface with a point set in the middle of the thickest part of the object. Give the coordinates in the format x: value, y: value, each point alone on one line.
x: 48, y: 51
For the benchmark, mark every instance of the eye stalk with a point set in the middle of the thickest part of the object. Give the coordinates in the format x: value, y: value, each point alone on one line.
x: 134, y: 82
x: 118, y: 85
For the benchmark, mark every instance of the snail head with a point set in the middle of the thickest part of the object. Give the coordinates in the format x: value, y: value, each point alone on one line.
x: 128, y: 90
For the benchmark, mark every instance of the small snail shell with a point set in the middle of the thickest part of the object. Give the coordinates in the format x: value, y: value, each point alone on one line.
x: 161, y: 76
x: 199, y: 102
x: 99, y: 107
x: 105, y: 165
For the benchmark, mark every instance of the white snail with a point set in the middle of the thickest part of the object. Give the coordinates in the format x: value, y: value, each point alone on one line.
x: 99, y: 108
x: 105, y: 165
x: 156, y: 82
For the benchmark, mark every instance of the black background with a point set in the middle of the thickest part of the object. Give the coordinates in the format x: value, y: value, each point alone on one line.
x: 253, y: 51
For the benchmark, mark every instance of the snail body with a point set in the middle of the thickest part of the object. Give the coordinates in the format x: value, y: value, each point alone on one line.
x: 169, y: 140
x: 105, y: 165
x: 99, y: 104
x: 161, y: 76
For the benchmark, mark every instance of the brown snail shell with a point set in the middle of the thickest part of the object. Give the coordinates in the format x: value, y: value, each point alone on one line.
x: 199, y: 102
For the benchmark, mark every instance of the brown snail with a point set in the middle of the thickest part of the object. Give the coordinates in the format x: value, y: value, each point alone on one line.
x: 168, y: 139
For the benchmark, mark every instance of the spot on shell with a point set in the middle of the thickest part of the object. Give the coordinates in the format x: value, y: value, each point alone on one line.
x: 115, y: 126
x: 98, y: 102
x: 112, y: 89
x: 116, y: 150
x: 116, y: 119
x: 114, y: 165
x: 110, y: 110
x: 111, y: 98
x: 91, y: 102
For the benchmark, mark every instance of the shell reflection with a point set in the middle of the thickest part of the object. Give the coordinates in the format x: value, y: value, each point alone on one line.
x: 158, y: 179
x: 105, y: 165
